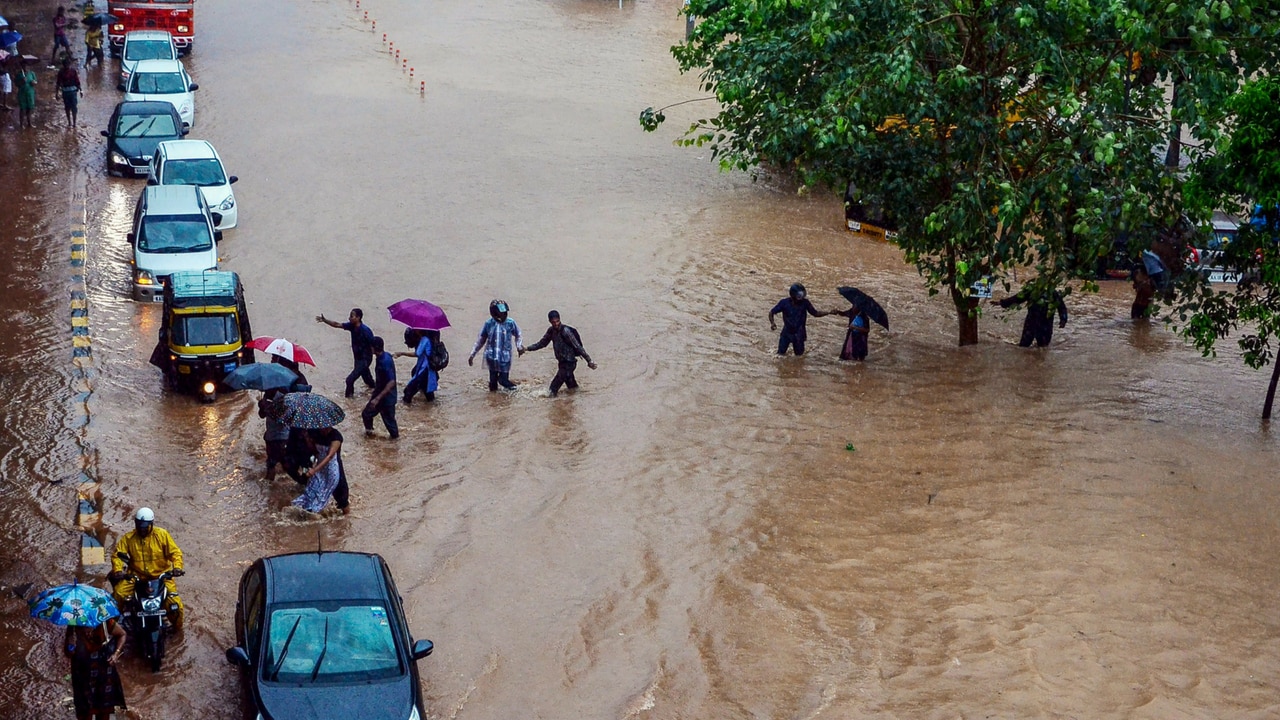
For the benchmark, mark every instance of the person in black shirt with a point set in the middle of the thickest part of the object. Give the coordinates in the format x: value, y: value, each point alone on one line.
x: 567, y: 348
x: 361, y: 353
x: 1038, y: 326
x: 795, y: 309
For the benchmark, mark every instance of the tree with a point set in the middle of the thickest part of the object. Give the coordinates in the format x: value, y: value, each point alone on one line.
x: 1245, y: 175
x: 998, y: 133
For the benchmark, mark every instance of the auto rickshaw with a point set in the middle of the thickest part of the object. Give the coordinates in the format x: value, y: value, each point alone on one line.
x: 203, y: 331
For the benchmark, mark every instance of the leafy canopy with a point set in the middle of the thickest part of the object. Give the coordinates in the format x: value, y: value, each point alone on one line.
x: 996, y: 133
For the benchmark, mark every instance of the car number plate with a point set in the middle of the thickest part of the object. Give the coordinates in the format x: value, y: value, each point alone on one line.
x: 1223, y: 276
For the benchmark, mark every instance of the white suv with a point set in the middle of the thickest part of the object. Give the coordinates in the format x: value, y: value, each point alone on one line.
x: 195, y: 162
x: 166, y: 81
x: 173, y: 230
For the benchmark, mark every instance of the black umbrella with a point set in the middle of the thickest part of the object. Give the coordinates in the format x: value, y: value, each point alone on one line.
x: 261, y: 376
x: 865, y: 304
x: 100, y: 19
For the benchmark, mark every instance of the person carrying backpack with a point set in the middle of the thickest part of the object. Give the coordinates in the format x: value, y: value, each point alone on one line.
x: 432, y: 357
x: 567, y: 344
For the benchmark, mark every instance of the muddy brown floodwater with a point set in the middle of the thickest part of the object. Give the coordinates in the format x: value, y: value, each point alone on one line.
x: 704, y: 530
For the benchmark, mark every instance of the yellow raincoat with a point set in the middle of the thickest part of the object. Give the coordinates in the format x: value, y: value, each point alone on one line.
x: 149, y: 557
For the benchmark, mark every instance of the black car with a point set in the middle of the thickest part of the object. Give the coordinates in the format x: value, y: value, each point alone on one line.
x: 323, y: 635
x: 135, y: 129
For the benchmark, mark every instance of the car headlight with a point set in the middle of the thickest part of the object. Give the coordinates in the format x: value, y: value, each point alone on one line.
x: 186, y: 108
x: 227, y: 204
x: 151, y: 604
x: 118, y: 159
x: 413, y: 714
x: 145, y: 277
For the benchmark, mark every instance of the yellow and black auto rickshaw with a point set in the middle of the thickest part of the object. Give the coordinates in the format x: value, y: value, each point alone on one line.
x: 203, y: 331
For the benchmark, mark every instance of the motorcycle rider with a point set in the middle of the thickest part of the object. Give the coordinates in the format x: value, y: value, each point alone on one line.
x: 151, y: 552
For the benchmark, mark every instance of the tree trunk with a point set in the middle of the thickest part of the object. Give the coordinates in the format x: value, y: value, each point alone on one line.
x: 1271, y: 390
x: 967, y: 315
x: 1173, y: 156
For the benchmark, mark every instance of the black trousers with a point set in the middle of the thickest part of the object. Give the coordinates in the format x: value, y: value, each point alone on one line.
x: 564, y: 376
x: 360, y: 370
x: 387, y: 409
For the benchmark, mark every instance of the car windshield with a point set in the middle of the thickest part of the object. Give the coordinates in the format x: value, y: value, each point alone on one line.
x: 133, y: 126
x: 157, y: 83
x: 148, y: 50
x: 205, y: 330
x: 205, y: 173
x: 174, y: 234
x: 339, y: 642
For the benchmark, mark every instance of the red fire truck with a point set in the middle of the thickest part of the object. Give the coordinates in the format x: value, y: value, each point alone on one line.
x: 175, y: 16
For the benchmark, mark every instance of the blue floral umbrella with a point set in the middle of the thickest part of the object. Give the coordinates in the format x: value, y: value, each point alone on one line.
x: 308, y: 411
x: 74, y: 604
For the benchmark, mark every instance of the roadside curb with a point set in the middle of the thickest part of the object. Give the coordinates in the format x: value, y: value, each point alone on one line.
x: 88, y: 510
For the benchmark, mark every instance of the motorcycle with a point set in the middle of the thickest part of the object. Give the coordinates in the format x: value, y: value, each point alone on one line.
x: 145, y: 612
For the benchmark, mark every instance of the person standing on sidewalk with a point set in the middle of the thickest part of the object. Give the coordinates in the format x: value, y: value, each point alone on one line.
x: 26, y: 83
x: 496, y: 337
x: 383, y: 401
x: 361, y: 353
x: 567, y: 346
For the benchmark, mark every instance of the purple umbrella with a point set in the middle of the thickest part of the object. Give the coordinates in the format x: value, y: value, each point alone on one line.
x: 419, y: 314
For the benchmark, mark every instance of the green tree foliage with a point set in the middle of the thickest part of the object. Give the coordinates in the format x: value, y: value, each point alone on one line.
x: 997, y: 134
x: 1245, y: 174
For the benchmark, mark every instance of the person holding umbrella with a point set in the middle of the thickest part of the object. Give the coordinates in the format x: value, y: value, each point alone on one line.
x: 93, y: 642
x: 864, y: 309
x: 425, y: 321
x: 326, y: 478
x: 95, y: 683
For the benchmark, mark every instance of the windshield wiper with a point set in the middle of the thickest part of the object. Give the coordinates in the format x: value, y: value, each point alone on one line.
x: 323, y: 649
x: 284, y: 652
x: 126, y: 132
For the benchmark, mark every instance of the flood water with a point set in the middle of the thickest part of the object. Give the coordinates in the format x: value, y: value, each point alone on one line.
x: 703, y: 530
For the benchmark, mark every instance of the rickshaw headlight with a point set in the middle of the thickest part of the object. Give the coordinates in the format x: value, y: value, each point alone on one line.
x: 208, y: 388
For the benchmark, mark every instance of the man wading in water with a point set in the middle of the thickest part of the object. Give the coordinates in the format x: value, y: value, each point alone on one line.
x: 795, y: 310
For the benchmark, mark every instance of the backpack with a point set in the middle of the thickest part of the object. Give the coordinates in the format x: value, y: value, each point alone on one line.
x: 439, y: 357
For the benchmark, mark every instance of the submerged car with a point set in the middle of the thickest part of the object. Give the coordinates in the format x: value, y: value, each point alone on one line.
x: 173, y: 231
x: 134, y: 131
x: 195, y: 162
x: 166, y: 81
x: 323, y: 635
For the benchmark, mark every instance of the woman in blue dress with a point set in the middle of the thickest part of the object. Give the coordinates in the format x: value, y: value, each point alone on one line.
x: 855, y: 339
x: 423, y: 379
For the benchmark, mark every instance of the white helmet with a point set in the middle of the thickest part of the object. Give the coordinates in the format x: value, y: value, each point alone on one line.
x: 144, y: 515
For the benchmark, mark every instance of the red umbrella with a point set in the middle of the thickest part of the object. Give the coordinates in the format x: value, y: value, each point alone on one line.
x: 283, y: 348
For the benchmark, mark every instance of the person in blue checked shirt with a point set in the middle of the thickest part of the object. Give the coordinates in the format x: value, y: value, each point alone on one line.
x: 496, y: 337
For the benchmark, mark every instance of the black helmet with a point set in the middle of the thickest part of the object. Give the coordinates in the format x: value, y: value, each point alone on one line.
x: 498, y: 309
x: 797, y: 291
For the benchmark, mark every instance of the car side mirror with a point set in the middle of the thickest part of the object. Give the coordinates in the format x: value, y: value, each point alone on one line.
x: 185, y: 130
x: 193, y: 87
x: 217, y: 234
x: 238, y: 657
x: 421, y: 649
x: 104, y: 133
x: 131, y: 237
x: 120, y: 87
x: 232, y: 180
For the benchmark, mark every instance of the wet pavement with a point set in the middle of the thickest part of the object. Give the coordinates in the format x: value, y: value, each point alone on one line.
x: 703, y: 530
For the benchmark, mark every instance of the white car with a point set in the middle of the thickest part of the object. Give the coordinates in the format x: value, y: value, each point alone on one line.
x: 195, y: 162
x: 163, y: 80
x: 145, y: 45
x: 172, y: 231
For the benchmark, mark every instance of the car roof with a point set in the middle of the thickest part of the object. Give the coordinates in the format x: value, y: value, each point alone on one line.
x: 173, y: 199
x: 158, y: 66
x: 320, y: 576
x: 145, y: 107
x: 188, y: 150
x: 148, y: 35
